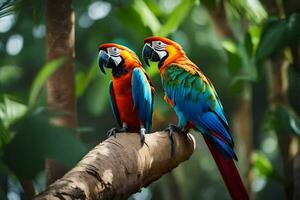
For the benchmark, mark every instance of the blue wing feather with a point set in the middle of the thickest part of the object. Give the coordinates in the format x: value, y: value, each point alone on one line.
x: 142, y: 97
x: 197, y: 100
x: 113, y: 104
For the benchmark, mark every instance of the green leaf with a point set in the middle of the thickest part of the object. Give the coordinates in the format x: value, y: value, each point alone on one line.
x: 148, y: 18
x: 10, y: 111
x: 261, y: 164
x: 252, y: 10
x: 230, y: 46
x: 5, y: 136
x: 98, y: 95
x: 42, y: 77
x: 130, y: 18
x: 262, y: 167
x: 155, y: 8
x: 294, y: 28
x: 283, y: 120
x: 83, y: 80
x: 235, y: 62
x: 295, y: 125
x: 248, y: 44
x: 10, y: 74
x: 255, y: 34
x: 272, y: 40
x: 176, y: 17
x: 211, y: 4
x: 35, y: 140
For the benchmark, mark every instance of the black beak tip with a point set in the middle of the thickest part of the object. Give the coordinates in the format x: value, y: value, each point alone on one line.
x: 147, y: 50
x: 146, y: 60
x: 102, y: 69
x: 102, y: 60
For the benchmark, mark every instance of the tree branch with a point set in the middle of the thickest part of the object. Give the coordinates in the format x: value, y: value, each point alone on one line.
x: 60, y: 41
x: 119, y: 167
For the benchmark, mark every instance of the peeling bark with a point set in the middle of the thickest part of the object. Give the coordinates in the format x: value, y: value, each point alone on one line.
x: 119, y: 167
x: 60, y: 86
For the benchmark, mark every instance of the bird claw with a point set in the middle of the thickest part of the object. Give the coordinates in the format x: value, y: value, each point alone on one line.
x: 114, y: 131
x: 142, y: 135
x: 171, y: 129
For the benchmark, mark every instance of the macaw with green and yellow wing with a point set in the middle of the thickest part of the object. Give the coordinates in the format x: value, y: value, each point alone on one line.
x: 197, y: 106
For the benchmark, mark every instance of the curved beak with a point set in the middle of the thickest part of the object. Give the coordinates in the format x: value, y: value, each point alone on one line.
x: 105, y: 60
x: 150, y: 54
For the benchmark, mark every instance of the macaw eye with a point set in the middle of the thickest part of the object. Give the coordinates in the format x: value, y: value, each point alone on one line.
x: 113, y: 51
x: 159, y: 45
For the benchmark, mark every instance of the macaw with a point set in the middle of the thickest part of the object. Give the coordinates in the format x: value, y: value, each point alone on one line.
x: 197, y: 105
x: 131, y: 90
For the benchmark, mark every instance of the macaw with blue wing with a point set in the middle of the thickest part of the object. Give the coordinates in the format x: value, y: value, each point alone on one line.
x: 197, y: 106
x: 131, y: 91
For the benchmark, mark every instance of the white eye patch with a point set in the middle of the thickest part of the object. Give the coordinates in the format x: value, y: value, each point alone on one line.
x: 113, y: 51
x: 158, y: 45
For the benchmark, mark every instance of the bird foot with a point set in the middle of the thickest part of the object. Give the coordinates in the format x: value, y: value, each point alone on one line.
x: 114, y: 131
x: 171, y: 129
x: 142, y: 135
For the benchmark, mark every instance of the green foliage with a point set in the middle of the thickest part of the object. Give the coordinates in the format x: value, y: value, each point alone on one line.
x: 293, y: 26
x: 262, y: 167
x: 176, y: 18
x: 27, y: 138
x: 36, y: 8
x: 9, y: 75
x: 10, y: 111
x: 148, y: 18
x: 234, y: 59
x: 261, y: 164
x: 278, y: 34
x: 283, y: 120
x: 98, y: 95
x: 240, y: 62
x: 252, y: 10
x: 35, y: 140
x: 84, y: 79
x: 272, y: 39
x: 42, y: 77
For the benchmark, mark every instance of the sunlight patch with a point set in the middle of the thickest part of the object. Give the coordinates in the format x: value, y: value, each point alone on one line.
x: 99, y: 10
x: 14, y: 44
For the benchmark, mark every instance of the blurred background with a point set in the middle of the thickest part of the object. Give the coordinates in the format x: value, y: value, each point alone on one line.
x: 249, y: 50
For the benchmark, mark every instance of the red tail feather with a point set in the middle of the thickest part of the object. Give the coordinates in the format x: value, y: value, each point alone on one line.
x: 229, y: 173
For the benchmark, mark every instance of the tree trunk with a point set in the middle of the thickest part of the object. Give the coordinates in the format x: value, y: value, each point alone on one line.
x: 243, y: 127
x: 279, y: 96
x: 291, y: 6
x: 61, y: 95
x: 28, y: 188
x: 119, y: 167
x: 242, y: 120
x: 297, y: 176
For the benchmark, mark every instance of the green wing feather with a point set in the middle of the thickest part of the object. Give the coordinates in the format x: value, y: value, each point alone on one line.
x: 194, y: 87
